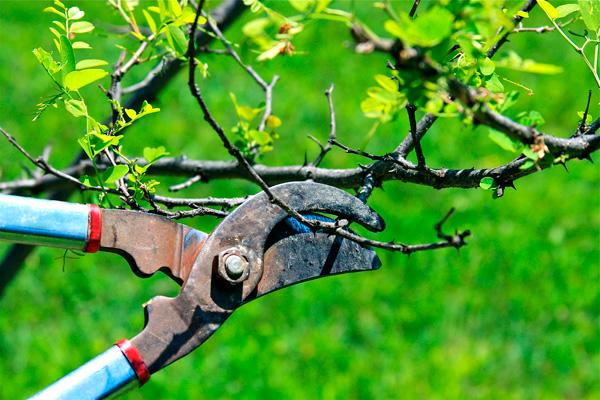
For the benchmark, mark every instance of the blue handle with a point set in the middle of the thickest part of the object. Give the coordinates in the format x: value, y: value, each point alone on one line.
x: 108, y: 376
x: 44, y: 222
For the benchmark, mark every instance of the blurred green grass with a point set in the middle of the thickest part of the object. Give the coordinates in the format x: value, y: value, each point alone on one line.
x: 514, y: 316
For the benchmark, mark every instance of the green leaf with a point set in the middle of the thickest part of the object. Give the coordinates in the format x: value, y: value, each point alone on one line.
x: 162, y: 10
x: 590, y: 11
x: 115, y: 173
x: 54, y: 10
x: 130, y: 113
x: 548, y: 9
x: 488, y: 183
x: 381, y: 95
x: 507, y: 143
x: 566, y: 9
x: 60, y: 25
x: 83, y: 64
x: 526, y: 165
x: 175, y: 7
x: 388, y: 84
x: 301, y: 5
x: 153, y: 154
x: 46, y: 60
x: 78, y: 79
x: 427, y: 30
x: 81, y: 45
x: 85, y: 144
x: 273, y: 121
x: 148, y: 109
x: 260, y: 137
x: 256, y: 27
x: 509, y: 100
x: 531, y: 118
x: 179, y: 42
x: 75, y: 107
x: 150, y: 20
x: 88, y: 181
x: 82, y: 27
x: 486, y: 66
x: 67, y: 57
x: 75, y: 13
x: 588, y: 118
x: 493, y: 84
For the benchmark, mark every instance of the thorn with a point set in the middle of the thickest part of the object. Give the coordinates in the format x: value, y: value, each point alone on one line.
x: 305, y: 160
x: 510, y: 185
x: 589, y: 158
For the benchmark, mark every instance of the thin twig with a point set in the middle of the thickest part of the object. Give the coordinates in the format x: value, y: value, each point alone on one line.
x: 327, y: 147
x: 268, y: 103
x: 516, y: 20
x: 413, y: 10
x: 411, y: 110
x: 582, y: 126
x: 186, y: 184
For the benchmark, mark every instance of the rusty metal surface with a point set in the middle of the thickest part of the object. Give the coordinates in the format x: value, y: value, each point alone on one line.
x: 151, y: 243
x: 176, y: 326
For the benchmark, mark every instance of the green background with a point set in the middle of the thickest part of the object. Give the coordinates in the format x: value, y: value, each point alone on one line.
x: 514, y: 315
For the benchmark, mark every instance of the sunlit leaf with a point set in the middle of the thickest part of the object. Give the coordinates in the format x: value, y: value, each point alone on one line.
x: 78, y: 79
x: 81, y: 45
x: 486, y: 66
x: 153, y: 154
x: 260, y: 137
x: 150, y: 20
x: 115, y: 173
x: 67, y: 57
x: 54, y: 10
x: 507, y: 143
x: 90, y: 64
x: 590, y: 11
x: 566, y: 9
x: 548, y: 9
x: 82, y: 27
x: 75, y: 13
x: 388, y: 84
x: 487, y: 183
x: 75, y: 107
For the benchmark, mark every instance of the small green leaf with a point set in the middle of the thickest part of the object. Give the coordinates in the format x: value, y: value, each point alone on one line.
x: 88, y: 180
x: 301, y: 5
x: 85, y: 144
x: 150, y: 20
x: 67, y: 57
x: 381, y: 95
x: 179, y: 42
x: 548, y: 9
x: 523, y: 14
x: 531, y: 118
x: 590, y: 11
x: 493, y: 84
x: 175, y: 8
x: 153, y: 154
x: 75, y: 107
x: 526, y: 165
x: 61, y: 5
x: 78, y: 79
x: 83, y: 64
x: 588, y: 118
x: 488, y: 183
x: 507, y: 143
x: 82, y: 27
x: 260, y: 137
x: 566, y: 9
x: 115, y: 173
x: 54, y: 10
x: 75, y: 13
x: 60, y: 25
x: 148, y: 109
x: 256, y: 27
x: 486, y: 66
x: 388, y: 84
x: 81, y: 45
x: 130, y: 113
x: 273, y: 121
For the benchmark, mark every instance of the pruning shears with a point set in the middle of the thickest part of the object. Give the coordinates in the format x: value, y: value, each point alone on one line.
x: 256, y: 250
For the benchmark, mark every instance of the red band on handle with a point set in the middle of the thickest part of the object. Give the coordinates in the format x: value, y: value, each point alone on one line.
x: 94, y: 229
x: 135, y: 360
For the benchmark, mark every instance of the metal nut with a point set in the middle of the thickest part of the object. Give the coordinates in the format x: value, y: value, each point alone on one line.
x: 233, y: 266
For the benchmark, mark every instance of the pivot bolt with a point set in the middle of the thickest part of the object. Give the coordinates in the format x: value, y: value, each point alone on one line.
x: 235, y: 266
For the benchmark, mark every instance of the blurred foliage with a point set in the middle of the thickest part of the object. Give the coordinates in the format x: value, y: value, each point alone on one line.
x: 514, y: 316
